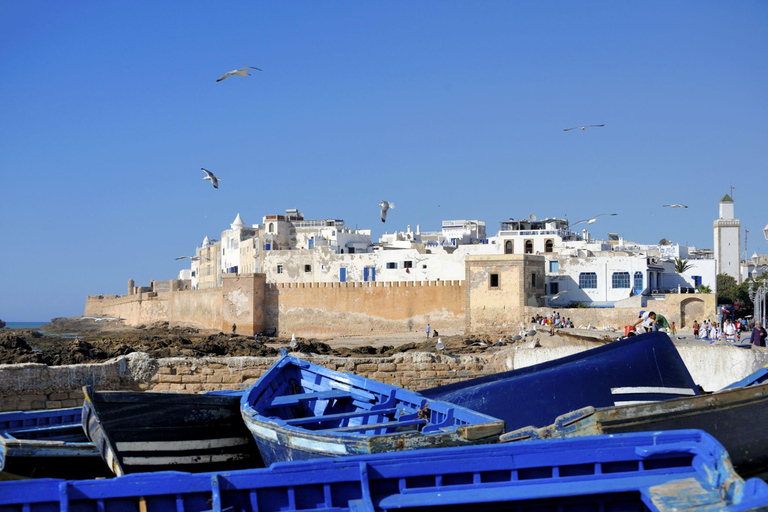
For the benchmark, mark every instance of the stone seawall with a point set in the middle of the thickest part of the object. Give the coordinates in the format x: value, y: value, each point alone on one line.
x: 36, y: 386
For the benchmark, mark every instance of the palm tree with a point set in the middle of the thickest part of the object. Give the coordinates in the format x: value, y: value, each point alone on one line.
x: 682, y: 265
x: 703, y: 288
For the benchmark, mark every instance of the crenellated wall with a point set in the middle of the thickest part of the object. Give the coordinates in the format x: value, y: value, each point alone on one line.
x: 306, y: 309
x: 335, y: 309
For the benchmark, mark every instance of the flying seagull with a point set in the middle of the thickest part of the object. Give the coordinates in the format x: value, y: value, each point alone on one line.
x: 238, y: 72
x: 214, y: 179
x: 558, y: 294
x: 676, y: 205
x: 583, y: 127
x: 592, y: 220
x: 385, y: 205
x: 193, y: 258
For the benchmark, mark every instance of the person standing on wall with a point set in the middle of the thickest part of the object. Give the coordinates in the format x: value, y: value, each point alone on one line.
x: 234, y: 328
x: 758, y: 335
x: 427, y: 330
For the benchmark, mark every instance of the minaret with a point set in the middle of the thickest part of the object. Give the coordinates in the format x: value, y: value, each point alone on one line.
x: 727, y: 240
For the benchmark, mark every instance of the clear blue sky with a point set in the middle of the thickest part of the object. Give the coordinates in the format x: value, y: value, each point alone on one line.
x: 108, y: 110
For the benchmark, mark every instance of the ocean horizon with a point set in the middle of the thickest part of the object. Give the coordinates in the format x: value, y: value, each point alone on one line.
x: 24, y: 325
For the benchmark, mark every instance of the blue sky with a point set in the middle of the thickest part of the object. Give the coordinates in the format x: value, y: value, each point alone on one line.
x: 451, y: 110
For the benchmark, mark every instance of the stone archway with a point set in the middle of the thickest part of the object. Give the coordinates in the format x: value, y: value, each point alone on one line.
x: 690, y: 310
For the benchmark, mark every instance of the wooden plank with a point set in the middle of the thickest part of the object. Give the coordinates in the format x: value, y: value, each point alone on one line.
x: 339, y: 416
x: 373, y: 426
x: 303, y: 397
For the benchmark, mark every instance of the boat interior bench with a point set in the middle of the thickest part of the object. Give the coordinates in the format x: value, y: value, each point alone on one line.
x: 333, y: 394
x: 374, y: 426
x: 340, y: 416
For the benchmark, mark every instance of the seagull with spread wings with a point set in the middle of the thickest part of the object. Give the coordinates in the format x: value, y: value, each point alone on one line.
x: 192, y: 258
x: 385, y: 206
x: 592, y: 220
x: 583, y: 127
x: 238, y: 72
x: 211, y: 177
x: 676, y: 205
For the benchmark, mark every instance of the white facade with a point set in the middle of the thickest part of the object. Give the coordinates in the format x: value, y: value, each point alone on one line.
x: 231, y: 240
x: 605, y: 278
x: 728, y: 240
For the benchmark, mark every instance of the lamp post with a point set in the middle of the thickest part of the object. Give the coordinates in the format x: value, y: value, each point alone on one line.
x: 759, y: 296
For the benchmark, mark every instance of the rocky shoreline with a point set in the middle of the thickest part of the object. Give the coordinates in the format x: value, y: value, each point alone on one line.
x: 83, y: 340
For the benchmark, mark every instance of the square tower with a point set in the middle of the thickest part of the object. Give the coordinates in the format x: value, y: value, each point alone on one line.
x: 727, y: 240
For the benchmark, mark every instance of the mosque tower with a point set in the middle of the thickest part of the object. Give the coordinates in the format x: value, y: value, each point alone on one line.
x: 727, y: 240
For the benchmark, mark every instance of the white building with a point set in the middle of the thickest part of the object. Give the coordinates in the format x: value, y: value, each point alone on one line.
x: 231, y: 240
x: 728, y: 240
x: 289, y: 249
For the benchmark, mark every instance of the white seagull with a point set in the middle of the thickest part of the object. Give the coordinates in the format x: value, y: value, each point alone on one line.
x: 558, y: 294
x: 583, y: 127
x: 440, y: 345
x: 676, y: 205
x: 193, y: 258
x: 213, y: 179
x: 385, y: 205
x: 592, y: 220
x: 238, y: 72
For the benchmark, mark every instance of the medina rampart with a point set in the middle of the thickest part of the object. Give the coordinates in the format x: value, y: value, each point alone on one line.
x: 306, y: 309
x: 499, y: 292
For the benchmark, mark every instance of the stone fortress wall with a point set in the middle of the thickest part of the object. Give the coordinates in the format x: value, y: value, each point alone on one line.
x: 26, y: 387
x: 306, y: 309
x: 498, y: 293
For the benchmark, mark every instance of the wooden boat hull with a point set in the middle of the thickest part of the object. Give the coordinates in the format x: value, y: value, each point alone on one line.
x: 48, y: 443
x: 735, y: 417
x: 640, y: 368
x: 298, y: 411
x: 659, y: 471
x: 141, y: 432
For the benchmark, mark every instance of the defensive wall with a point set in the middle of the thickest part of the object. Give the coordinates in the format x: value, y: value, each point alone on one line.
x: 334, y: 309
x: 36, y: 386
x: 304, y: 309
x: 498, y: 293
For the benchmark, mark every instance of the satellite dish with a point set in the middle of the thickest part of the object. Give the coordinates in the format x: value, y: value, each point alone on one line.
x: 532, y: 217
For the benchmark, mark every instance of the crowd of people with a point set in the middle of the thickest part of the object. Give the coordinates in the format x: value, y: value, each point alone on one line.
x: 553, y: 321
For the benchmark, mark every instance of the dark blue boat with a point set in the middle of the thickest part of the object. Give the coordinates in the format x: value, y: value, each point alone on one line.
x: 143, y: 431
x: 48, y: 443
x: 737, y: 417
x: 299, y: 410
x: 644, y: 368
x: 662, y: 471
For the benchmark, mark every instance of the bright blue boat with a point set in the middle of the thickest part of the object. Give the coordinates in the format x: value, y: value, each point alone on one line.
x: 48, y: 443
x: 686, y: 470
x: 299, y: 410
x: 644, y: 368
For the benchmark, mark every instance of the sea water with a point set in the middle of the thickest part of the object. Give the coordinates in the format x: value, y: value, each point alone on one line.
x: 24, y: 325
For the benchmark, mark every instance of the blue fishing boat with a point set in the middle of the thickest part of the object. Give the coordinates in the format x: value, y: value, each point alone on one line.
x: 643, y: 368
x: 299, y: 410
x: 661, y: 472
x: 48, y: 443
x: 143, y: 431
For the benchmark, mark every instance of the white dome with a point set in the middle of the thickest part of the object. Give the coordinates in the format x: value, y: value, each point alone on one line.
x: 238, y: 223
